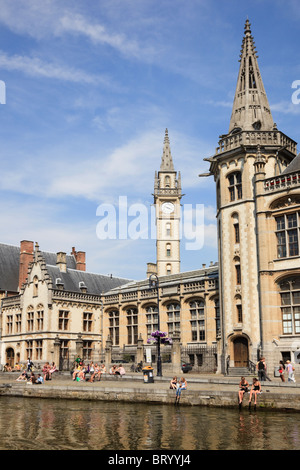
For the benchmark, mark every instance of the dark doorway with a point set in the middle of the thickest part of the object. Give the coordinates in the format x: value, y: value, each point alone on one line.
x: 240, y: 349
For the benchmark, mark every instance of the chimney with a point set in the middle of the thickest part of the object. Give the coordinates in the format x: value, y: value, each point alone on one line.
x: 26, y: 257
x: 61, y: 261
x: 79, y: 258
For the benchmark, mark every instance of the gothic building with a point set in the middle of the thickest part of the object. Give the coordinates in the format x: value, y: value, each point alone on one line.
x: 225, y: 315
x: 257, y: 175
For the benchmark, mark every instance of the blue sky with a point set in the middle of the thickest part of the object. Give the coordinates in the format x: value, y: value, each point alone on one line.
x: 90, y: 88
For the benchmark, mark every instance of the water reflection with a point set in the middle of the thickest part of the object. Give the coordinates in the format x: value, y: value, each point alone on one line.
x: 66, y: 424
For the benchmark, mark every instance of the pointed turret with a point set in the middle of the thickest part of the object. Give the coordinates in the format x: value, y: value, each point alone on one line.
x: 251, y: 109
x: 166, y: 160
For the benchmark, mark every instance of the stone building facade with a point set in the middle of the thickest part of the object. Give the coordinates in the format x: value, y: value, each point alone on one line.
x: 224, y: 316
x: 257, y: 175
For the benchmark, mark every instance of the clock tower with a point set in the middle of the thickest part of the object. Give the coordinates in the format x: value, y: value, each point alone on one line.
x: 167, y: 195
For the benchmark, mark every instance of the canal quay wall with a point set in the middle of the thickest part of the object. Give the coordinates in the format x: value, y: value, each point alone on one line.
x: 215, y: 391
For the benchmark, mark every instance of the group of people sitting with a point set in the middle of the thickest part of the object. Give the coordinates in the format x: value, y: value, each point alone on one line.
x: 29, y: 376
x: 255, y: 390
x: 178, y: 386
x: 89, y: 372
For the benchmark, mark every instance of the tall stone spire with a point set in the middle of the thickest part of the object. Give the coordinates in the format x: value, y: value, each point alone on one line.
x: 251, y: 109
x: 166, y: 160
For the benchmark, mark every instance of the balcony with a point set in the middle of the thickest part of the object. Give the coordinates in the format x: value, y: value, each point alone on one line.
x: 277, y: 183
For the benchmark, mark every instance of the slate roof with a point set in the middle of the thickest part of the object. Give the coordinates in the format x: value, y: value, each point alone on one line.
x: 9, y: 267
x: 293, y: 166
x: 95, y: 283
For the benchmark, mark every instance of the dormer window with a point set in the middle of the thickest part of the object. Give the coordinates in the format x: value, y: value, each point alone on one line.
x: 235, y: 186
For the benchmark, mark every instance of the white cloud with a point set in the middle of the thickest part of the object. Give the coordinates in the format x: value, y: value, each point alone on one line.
x: 35, y: 67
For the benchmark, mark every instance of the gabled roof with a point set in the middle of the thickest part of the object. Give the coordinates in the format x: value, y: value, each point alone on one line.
x: 293, y: 166
x: 95, y: 283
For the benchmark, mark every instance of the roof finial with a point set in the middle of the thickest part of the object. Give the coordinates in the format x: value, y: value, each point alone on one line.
x: 247, y: 26
x: 166, y: 139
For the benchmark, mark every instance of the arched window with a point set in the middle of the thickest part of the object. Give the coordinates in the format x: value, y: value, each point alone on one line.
x: 169, y: 269
x: 235, y: 186
x: 197, y: 320
x: 168, y: 250
x: 173, y: 314
x: 290, y: 305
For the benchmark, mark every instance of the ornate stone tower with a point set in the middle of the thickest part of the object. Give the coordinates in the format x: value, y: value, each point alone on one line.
x: 252, y: 145
x: 167, y: 195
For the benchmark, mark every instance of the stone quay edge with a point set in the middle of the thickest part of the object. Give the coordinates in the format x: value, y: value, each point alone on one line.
x: 216, y: 391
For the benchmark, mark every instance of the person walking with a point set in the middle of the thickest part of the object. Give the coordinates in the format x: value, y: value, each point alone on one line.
x: 281, y: 370
x: 290, y: 370
x: 260, y: 366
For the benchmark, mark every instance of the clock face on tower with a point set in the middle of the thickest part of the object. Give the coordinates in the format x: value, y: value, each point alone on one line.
x: 167, y: 207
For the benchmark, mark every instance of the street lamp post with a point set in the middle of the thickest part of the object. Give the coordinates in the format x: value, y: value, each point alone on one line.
x: 154, y: 284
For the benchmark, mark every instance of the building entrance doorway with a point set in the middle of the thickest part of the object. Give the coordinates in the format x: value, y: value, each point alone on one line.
x: 10, y: 357
x: 240, y: 351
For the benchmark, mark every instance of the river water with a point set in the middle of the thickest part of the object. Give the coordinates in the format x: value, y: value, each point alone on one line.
x: 46, y: 424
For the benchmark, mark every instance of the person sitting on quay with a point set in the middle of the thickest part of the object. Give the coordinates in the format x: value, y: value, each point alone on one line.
x: 173, y: 383
x: 120, y: 370
x: 23, y: 376
x: 181, y: 386
x: 112, y: 370
x: 53, y: 368
x: 46, y: 371
x: 255, y: 390
x: 40, y: 379
x: 243, y: 389
x: 32, y: 379
x: 76, y: 372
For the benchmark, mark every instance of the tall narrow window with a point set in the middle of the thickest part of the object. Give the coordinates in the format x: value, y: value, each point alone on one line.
x: 9, y: 324
x: 87, y: 348
x: 87, y: 322
x: 290, y: 305
x: 40, y: 318
x: 151, y: 319
x: 168, y: 250
x: 35, y: 286
x: 217, y: 317
x: 173, y: 315
x: 63, y: 320
x: 235, y: 186
x: 30, y: 320
x: 239, y: 313
x: 287, y: 234
x: 114, y: 321
x: 39, y: 349
x: 238, y: 274
x: 197, y: 320
x: 132, y: 325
